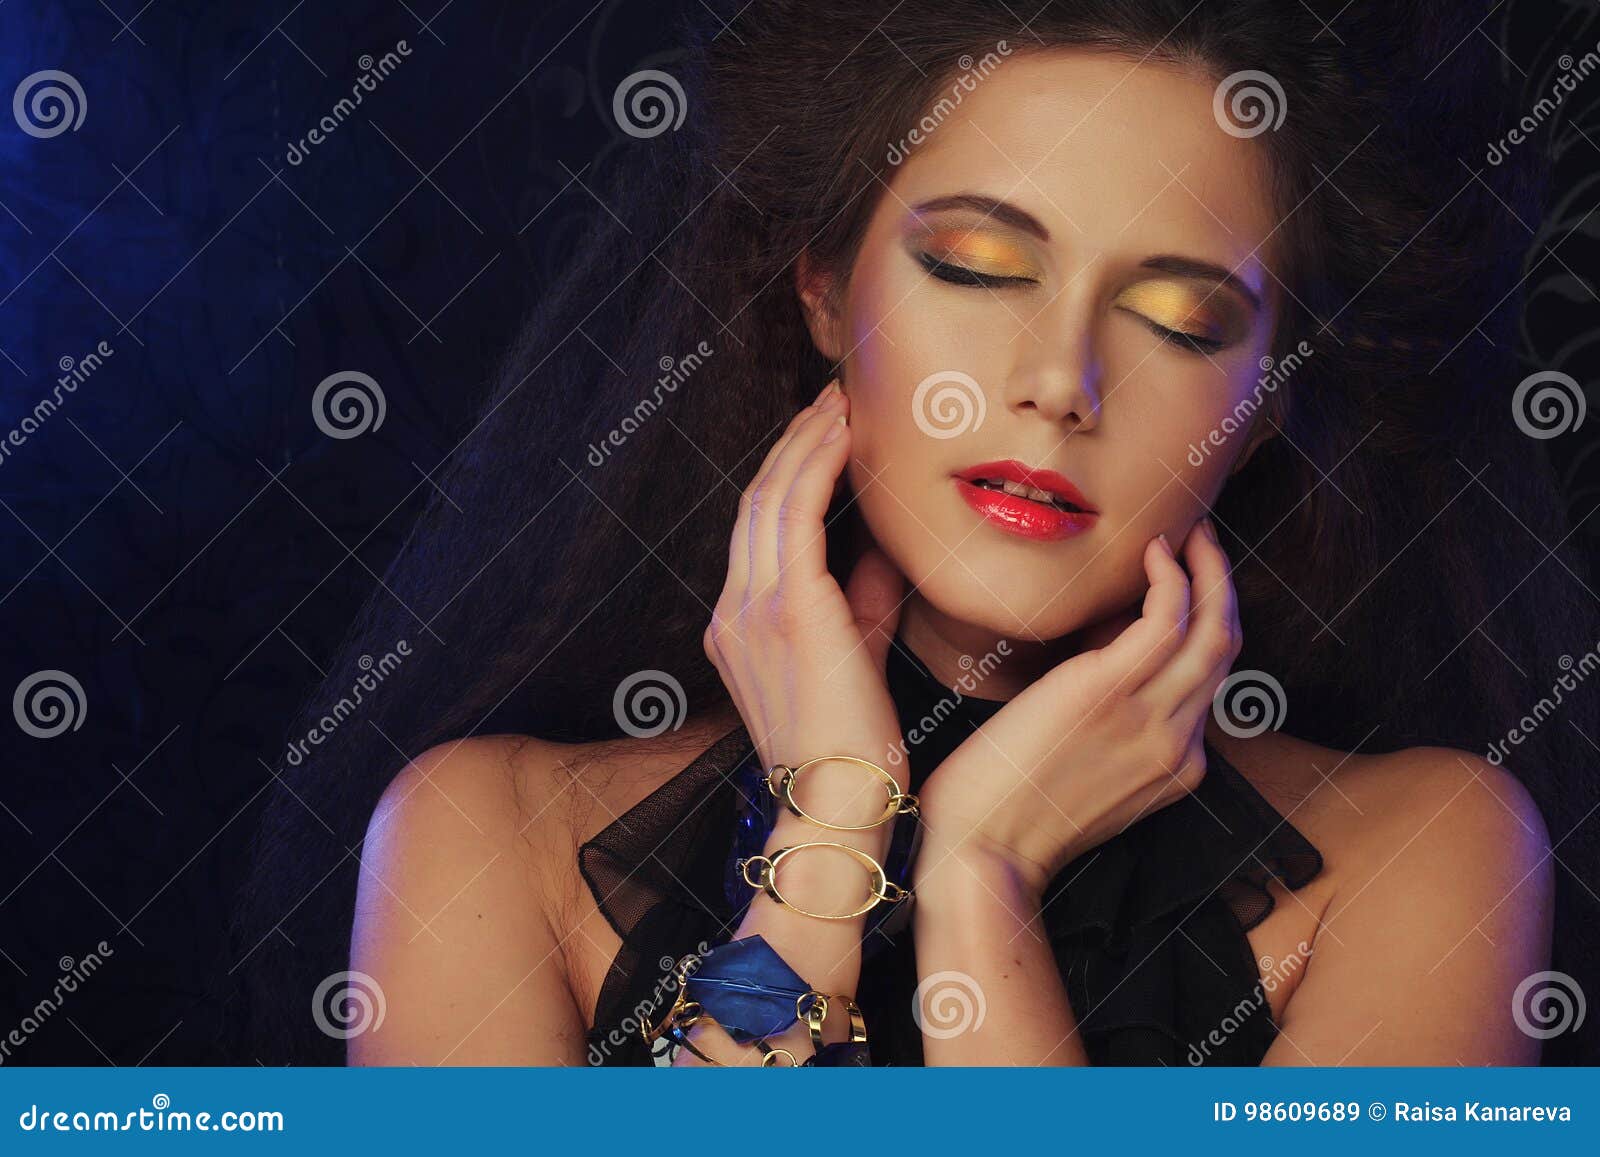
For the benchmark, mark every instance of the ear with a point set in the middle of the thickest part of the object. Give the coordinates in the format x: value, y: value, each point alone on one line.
x: 815, y: 291
x: 1263, y: 429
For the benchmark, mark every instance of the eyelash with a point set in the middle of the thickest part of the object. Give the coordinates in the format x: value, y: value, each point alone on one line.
x: 961, y: 275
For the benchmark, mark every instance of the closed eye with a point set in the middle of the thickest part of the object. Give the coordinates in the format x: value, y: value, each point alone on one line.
x: 1192, y: 343
x: 961, y: 275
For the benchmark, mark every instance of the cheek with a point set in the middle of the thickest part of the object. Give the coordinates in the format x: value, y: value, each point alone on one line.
x: 1180, y: 460
x: 904, y: 331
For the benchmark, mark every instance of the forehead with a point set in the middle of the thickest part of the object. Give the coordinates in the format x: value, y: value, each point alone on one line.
x: 1111, y: 154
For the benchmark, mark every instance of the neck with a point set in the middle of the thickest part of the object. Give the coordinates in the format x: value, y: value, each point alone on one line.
x: 1008, y: 663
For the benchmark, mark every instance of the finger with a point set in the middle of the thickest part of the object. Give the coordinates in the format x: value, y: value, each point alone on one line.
x: 802, y: 545
x: 1214, y: 632
x: 876, y: 592
x: 1149, y: 644
x: 770, y: 503
x: 739, y: 538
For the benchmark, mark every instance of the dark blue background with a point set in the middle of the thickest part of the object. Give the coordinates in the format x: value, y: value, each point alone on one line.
x: 181, y: 538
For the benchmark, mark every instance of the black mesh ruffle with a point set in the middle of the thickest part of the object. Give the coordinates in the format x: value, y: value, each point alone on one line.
x: 1148, y: 929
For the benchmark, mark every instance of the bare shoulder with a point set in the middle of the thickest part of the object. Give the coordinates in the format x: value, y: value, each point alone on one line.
x: 470, y: 912
x: 1435, y: 902
x: 1364, y: 810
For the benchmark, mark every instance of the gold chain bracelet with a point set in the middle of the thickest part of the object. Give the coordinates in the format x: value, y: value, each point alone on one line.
x: 882, y: 889
x: 811, y: 1007
x: 781, y: 779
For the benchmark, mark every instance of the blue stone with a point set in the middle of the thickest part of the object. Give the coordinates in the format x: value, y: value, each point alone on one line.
x: 746, y: 987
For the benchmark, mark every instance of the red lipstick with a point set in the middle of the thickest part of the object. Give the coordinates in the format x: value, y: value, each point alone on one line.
x: 1064, y: 513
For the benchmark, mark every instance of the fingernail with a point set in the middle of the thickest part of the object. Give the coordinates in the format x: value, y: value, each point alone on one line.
x: 1210, y: 528
x: 1164, y: 542
x: 825, y: 390
x: 834, y: 430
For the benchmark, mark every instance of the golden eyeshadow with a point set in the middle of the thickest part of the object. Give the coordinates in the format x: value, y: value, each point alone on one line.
x: 1182, y: 306
x: 978, y: 251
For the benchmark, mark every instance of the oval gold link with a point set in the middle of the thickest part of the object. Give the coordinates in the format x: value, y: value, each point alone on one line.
x: 783, y: 787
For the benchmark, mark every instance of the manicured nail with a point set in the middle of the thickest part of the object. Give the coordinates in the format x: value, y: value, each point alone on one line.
x: 834, y: 430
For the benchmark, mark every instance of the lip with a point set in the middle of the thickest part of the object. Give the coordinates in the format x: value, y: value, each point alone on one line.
x: 1023, y: 516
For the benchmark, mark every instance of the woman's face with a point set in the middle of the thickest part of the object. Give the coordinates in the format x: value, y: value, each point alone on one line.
x: 1032, y: 267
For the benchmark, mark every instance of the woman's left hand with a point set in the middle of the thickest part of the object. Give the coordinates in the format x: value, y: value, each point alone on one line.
x: 1098, y: 741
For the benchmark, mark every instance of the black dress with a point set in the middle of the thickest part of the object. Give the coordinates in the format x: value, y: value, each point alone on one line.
x: 1148, y: 929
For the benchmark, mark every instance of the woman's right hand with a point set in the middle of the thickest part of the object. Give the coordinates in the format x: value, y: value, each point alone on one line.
x: 803, y: 659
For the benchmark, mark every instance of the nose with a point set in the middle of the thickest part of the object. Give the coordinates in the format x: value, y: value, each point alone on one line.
x: 1057, y: 376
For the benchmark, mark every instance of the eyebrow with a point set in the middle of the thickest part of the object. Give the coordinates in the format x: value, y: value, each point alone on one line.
x: 1009, y: 214
x: 1204, y: 271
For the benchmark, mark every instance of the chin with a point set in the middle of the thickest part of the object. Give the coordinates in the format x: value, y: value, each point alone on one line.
x: 1041, y: 612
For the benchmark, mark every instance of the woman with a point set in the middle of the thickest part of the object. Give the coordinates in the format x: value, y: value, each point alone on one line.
x: 1161, y: 341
